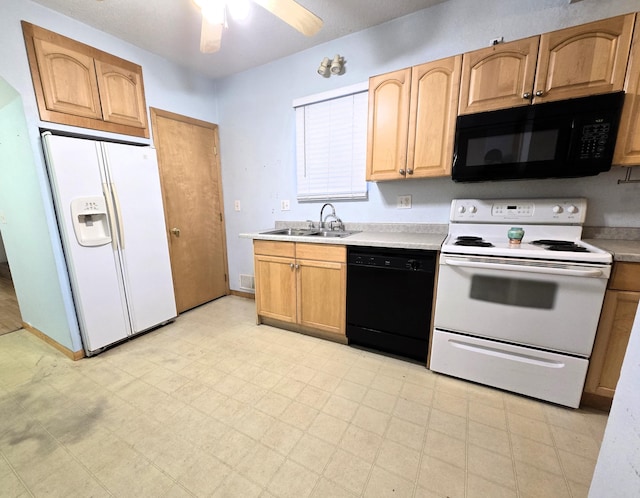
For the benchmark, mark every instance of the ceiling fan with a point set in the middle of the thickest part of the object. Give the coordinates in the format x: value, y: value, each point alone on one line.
x: 214, y: 18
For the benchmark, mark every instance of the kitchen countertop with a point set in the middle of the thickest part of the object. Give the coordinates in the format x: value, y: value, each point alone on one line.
x: 396, y: 235
x: 622, y: 250
x: 431, y: 236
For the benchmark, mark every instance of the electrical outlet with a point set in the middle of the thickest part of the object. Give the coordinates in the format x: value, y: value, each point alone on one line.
x: 404, y: 202
x: 3, y: 218
x: 284, y: 205
x: 236, y: 205
x: 495, y: 41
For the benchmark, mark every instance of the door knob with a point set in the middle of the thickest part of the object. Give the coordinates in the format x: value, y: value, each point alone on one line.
x: 175, y: 231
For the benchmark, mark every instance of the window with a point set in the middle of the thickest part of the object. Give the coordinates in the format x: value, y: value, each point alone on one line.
x: 331, y: 144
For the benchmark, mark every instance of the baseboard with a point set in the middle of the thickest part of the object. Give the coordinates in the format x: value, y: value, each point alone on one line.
x: 74, y: 355
x: 248, y: 295
x: 596, y: 401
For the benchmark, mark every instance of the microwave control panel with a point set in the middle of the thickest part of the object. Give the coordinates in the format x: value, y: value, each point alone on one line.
x: 594, y: 139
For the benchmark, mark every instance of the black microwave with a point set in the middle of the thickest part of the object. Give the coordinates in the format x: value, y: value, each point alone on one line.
x: 564, y: 139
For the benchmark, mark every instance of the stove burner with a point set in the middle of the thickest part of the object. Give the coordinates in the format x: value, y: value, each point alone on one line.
x: 560, y: 245
x: 572, y: 248
x: 470, y: 240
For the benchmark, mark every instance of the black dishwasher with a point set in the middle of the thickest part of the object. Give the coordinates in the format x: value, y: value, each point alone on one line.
x: 389, y: 299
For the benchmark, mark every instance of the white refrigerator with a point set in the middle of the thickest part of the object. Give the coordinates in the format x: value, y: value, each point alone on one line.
x: 111, y: 218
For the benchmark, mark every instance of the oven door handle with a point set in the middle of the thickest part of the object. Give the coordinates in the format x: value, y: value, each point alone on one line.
x: 594, y: 273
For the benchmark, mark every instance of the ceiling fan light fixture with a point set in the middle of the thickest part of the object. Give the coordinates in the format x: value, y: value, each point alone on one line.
x: 239, y: 9
x: 213, y: 11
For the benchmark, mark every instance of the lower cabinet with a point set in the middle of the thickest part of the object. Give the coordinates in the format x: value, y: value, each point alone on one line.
x: 302, y: 284
x: 612, y: 337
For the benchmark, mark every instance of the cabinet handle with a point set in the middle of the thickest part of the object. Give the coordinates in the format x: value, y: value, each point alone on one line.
x: 176, y: 232
x: 526, y: 95
x: 297, y: 266
x: 401, y: 171
x: 409, y: 172
x: 291, y: 265
x: 539, y: 93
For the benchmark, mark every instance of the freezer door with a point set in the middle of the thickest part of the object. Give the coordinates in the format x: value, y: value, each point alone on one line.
x: 135, y: 183
x: 98, y: 294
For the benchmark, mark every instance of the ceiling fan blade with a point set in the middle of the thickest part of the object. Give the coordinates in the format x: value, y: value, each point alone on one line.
x: 293, y: 14
x: 210, y: 37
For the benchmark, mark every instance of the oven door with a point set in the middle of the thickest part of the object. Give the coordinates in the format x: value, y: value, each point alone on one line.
x: 548, y: 305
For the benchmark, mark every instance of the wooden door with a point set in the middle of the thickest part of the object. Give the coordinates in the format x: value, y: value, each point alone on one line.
x: 627, y: 151
x: 192, y: 192
x: 435, y: 88
x: 583, y: 60
x: 388, y: 125
x: 499, y: 76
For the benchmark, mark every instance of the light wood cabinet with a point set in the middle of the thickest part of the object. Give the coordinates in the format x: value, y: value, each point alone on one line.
x: 412, y: 114
x: 499, y: 76
x: 302, y: 284
x: 627, y: 152
x: 618, y: 312
x: 574, y: 62
x: 78, y: 85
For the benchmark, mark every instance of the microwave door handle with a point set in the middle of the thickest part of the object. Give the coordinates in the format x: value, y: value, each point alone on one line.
x: 530, y: 269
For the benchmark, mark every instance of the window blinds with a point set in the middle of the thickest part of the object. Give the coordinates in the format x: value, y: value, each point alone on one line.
x: 331, y: 145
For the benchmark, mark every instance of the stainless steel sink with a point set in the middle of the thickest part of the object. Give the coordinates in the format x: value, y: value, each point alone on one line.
x: 309, y: 232
x: 292, y: 232
x: 333, y: 233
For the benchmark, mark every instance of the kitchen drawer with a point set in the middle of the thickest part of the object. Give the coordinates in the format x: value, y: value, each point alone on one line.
x: 625, y: 276
x: 321, y: 252
x: 274, y: 248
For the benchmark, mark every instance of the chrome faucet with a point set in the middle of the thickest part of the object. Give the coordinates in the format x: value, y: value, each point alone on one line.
x: 332, y: 214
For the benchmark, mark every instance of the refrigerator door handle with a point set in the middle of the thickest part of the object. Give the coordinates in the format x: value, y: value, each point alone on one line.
x: 118, y: 215
x: 112, y: 215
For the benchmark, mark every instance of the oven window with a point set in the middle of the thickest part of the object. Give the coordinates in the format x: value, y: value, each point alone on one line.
x: 514, y: 292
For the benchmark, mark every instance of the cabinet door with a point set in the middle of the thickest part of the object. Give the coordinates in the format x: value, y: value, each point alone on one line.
x: 435, y: 88
x: 627, y: 151
x: 498, y: 77
x: 583, y: 60
x: 612, y: 337
x: 68, y: 80
x: 121, y: 94
x: 388, y: 125
x: 322, y: 295
x: 275, y: 288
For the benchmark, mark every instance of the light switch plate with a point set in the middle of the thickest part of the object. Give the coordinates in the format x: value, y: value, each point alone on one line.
x: 284, y: 205
x: 236, y: 205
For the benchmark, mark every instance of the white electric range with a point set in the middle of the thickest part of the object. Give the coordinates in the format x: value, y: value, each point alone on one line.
x: 519, y: 313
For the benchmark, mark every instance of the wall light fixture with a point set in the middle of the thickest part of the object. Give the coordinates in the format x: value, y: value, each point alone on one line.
x: 331, y: 66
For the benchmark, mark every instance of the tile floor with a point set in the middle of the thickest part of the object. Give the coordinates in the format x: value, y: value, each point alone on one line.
x: 214, y: 405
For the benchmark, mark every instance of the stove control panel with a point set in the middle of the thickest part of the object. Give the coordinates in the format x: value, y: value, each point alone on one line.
x: 531, y: 211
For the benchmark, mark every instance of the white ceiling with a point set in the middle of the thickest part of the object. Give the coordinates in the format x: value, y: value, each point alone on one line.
x: 171, y: 28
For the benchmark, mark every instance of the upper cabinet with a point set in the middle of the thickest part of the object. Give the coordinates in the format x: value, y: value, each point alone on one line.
x: 78, y: 85
x: 568, y: 63
x: 627, y: 151
x: 412, y: 115
x: 499, y: 76
x: 388, y: 125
